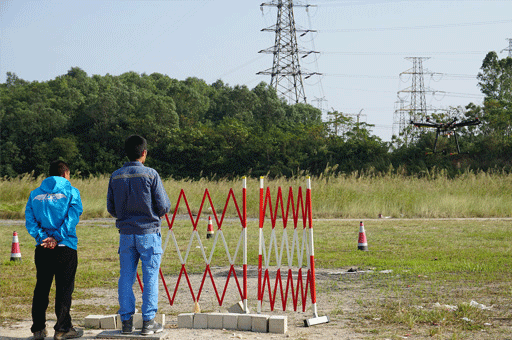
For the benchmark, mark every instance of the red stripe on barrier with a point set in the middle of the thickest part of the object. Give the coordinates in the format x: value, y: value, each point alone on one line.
x: 207, y: 270
x: 305, y: 291
x: 260, y: 285
x: 313, y: 281
x: 289, y: 283
x: 278, y: 278
x: 140, y: 283
x: 165, y: 286
x: 304, y: 285
x: 268, y: 199
x: 272, y: 299
x: 183, y: 271
x: 244, y: 226
x: 297, y: 290
x: 260, y: 256
x: 244, y: 296
x: 231, y: 271
x: 182, y: 199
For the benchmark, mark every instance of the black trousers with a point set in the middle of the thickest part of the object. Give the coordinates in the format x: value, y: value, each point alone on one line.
x: 60, y: 262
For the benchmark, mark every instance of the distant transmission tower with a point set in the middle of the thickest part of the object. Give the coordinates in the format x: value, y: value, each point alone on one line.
x: 286, y: 74
x: 399, y: 119
x: 509, y: 49
x: 416, y: 107
x: 320, y: 102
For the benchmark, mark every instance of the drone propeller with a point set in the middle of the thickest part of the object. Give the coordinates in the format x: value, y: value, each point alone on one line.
x: 471, y: 122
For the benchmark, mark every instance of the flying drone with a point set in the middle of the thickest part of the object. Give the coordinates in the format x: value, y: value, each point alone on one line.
x: 446, y: 128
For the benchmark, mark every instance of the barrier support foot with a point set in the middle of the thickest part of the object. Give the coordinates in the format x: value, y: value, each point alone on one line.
x: 316, y: 320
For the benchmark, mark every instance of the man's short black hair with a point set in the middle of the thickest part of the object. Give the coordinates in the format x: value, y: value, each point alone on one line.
x: 58, y: 168
x: 134, y: 146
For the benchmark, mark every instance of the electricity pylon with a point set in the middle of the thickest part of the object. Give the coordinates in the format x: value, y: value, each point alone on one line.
x: 399, y: 119
x: 286, y: 74
x: 416, y: 108
x: 509, y: 49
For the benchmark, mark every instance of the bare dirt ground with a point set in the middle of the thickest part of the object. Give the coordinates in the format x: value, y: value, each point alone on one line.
x: 342, y: 295
x: 340, y: 326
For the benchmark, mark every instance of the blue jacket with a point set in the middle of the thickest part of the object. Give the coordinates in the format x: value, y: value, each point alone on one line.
x: 53, y: 210
x: 137, y: 199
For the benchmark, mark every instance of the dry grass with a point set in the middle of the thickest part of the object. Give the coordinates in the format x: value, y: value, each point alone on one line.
x: 344, y: 196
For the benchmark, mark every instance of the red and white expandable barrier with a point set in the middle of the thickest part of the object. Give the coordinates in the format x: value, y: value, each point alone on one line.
x: 219, y: 235
x: 294, y: 283
x: 301, y: 250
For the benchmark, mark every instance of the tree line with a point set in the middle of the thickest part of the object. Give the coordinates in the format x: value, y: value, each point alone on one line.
x: 195, y: 129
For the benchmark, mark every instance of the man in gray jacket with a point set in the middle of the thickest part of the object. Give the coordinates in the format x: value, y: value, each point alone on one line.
x: 137, y: 199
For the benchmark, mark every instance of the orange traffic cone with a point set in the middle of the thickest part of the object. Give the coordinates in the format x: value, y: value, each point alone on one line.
x: 209, y: 230
x: 15, y: 249
x: 362, y: 244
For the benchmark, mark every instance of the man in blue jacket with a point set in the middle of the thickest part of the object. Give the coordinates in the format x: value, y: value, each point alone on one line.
x: 137, y: 199
x: 51, y: 215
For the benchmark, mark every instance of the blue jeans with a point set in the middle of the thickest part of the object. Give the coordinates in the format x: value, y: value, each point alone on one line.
x: 147, y: 248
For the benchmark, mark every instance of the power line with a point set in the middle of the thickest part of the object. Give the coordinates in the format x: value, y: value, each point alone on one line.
x: 461, y: 95
x: 403, y: 53
x: 444, y: 93
x: 402, y: 28
x: 443, y: 75
x: 316, y: 59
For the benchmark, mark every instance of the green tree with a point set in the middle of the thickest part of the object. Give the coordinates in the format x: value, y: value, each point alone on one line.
x: 495, y: 82
x: 28, y: 122
x: 191, y: 101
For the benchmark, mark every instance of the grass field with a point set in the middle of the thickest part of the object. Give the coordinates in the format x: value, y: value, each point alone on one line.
x: 451, y: 262
x: 447, y: 241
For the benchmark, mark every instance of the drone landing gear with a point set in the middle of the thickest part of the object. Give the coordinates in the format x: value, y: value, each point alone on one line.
x: 456, y: 142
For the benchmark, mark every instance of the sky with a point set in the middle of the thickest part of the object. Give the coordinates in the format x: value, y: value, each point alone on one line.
x: 362, y: 45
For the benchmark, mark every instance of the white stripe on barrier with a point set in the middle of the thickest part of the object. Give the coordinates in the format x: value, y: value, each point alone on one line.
x: 195, y: 237
x: 300, y: 249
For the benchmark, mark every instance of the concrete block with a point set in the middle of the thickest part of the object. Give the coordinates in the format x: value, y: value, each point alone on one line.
x: 215, y: 320
x: 137, y: 320
x: 245, y: 322
x: 278, y: 324
x: 260, y: 323
x: 119, y: 323
x: 201, y: 320
x: 238, y: 308
x: 92, y: 321
x: 186, y: 320
x: 115, y: 334
x: 160, y: 318
x: 108, y: 322
x: 230, y: 321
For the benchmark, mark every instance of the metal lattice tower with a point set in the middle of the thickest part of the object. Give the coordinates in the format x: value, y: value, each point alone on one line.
x: 286, y: 74
x: 416, y: 108
x: 399, y: 119
x: 509, y: 49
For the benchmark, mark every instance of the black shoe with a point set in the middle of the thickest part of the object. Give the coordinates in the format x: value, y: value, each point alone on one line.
x: 128, y: 326
x: 151, y: 327
x: 40, y: 335
x: 71, y: 334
